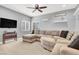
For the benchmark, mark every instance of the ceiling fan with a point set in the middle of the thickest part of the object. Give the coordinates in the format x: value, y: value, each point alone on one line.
x: 37, y: 7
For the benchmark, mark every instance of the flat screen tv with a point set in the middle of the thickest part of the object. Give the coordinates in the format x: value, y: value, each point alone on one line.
x: 8, y: 23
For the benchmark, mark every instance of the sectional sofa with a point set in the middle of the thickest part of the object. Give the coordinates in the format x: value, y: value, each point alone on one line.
x: 62, y: 47
x: 59, y: 44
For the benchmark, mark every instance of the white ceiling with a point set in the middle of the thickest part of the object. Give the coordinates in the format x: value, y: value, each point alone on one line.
x: 51, y: 8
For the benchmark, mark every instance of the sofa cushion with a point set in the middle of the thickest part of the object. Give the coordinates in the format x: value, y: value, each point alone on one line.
x: 75, y: 43
x: 36, y: 31
x: 58, y: 38
x: 63, y: 41
x: 55, y: 33
x: 48, y: 32
x: 63, y: 34
x: 42, y: 32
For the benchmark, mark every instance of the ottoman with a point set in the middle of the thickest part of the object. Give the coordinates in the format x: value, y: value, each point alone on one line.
x: 47, y: 43
x: 30, y: 38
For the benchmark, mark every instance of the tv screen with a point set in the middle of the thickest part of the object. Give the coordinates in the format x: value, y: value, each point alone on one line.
x: 7, y: 23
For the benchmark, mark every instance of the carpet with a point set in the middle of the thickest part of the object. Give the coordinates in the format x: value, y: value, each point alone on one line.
x: 23, y: 48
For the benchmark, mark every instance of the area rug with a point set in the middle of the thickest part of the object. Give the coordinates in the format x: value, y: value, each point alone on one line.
x: 23, y: 48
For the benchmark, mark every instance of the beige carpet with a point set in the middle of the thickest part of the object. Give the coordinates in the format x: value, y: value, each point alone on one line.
x: 22, y: 48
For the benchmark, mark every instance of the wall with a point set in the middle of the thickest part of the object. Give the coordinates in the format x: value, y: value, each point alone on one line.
x: 76, y: 14
x: 7, y: 13
x: 77, y: 23
x: 51, y: 25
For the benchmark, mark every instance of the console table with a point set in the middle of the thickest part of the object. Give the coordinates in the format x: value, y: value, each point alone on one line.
x: 9, y: 35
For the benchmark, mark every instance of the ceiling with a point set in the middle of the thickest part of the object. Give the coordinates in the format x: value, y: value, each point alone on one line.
x: 51, y: 8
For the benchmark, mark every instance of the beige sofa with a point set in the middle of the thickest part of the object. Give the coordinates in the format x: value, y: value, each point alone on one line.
x: 50, y: 38
x: 61, y: 44
x: 61, y: 47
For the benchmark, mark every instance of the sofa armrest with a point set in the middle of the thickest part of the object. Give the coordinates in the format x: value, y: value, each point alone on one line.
x: 56, y: 49
x: 64, y: 50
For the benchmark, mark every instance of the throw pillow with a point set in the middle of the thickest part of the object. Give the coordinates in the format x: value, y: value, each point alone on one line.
x: 74, y: 36
x: 69, y: 35
x: 32, y: 31
x: 75, y: 43
x: 63, y: 34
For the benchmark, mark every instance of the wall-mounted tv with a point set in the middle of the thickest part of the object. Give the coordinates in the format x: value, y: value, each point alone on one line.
x: 8, y: 23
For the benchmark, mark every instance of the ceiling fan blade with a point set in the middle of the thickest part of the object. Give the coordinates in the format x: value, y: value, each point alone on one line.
x: 33, y: 10
x: 31, y: 7
x: 40, y: 10
x: 43, y: 7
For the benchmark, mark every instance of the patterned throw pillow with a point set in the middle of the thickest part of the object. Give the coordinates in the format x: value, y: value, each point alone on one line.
x: 69, y: 36
x: 74, y: 36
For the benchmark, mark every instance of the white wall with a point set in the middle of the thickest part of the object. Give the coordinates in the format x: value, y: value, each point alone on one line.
x: 51, y: 25
x: 7, y: 13
x: 76, y: 14
x: 77, y: 23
